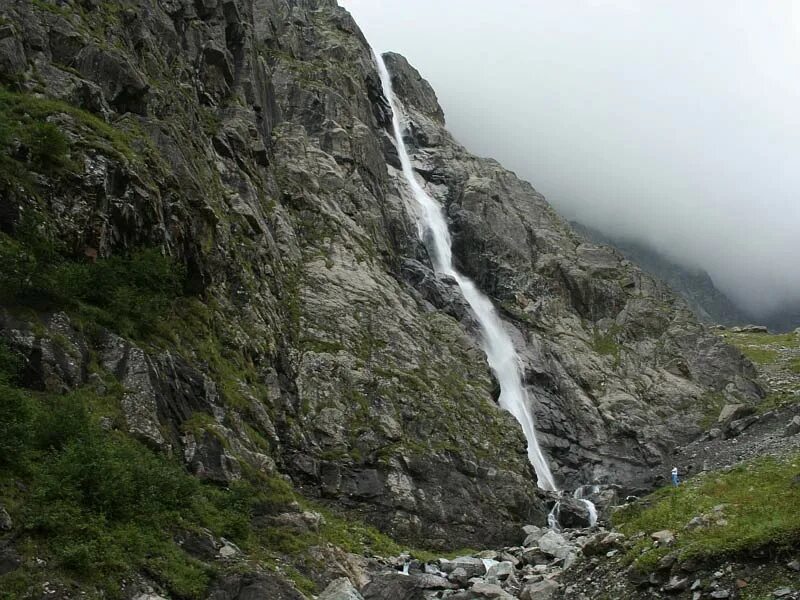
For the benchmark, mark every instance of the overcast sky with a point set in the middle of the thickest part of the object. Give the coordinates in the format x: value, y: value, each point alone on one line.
x: 675, y: 123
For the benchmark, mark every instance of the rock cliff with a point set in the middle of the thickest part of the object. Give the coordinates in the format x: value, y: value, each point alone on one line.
x: 246, y: 143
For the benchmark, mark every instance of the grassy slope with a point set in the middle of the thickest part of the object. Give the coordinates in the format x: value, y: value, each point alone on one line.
x: 776, y: 356
x: 758, y: 507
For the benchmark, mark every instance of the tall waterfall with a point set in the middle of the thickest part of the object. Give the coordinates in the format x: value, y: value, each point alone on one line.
x: 500, y: 352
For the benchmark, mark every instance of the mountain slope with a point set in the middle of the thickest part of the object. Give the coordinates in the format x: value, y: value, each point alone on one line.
x: 695, y: 286
x: 204, y: 248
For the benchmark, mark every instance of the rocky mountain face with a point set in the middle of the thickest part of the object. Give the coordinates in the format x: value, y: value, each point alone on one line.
x: 708, y: 303
x: 248, y: 142
x: 614, y: 359
x: 695, y: 286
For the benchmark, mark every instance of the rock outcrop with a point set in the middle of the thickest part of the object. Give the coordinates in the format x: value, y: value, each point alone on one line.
x: 247, y: 140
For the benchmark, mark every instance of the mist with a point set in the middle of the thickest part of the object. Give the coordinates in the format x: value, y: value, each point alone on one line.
x: 676, y: 124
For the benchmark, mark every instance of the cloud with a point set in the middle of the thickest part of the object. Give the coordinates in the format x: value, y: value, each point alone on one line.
x: 673, y: 123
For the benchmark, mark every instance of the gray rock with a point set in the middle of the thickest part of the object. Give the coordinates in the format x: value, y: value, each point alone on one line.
x: 473, y: 567
x: 731, y: 412
x: 793, y: 427
x: 676, y: 584
x: 533, y: 534
x: 541, y: 590
x: 554, y: 544
x: 782, y: 592
x: 340, y: 589
x: 720, y: 594
x: 735, y: 428
x: 663, y: 538
x: 6, y: 524
x: 250, y: 586
x: 500, y: 571
x: 482, y: 590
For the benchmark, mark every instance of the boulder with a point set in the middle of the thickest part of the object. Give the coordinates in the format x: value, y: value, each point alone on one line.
x: 554, y: 544
x: 340, y: 589
x: 483, y: 591
x: 735, y: 428
x: 573, y: 513
x: 676, y: 584
x: 500, y: 571
x: 663, y: 538
x: 541, y: 590
x: 602, y: 543
x: 396, y: 586
x: 473, y: 567
x: 533, y: 534
x: 731, y: 412
x: 250, y: 586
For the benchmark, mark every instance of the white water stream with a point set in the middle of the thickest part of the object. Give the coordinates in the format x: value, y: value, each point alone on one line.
x: 497, y: 344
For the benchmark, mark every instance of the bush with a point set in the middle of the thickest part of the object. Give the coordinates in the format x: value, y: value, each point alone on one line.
x: 48, y: 145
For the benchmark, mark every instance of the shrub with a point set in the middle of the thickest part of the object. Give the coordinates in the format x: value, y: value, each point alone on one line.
x: 15, y: 421
x: 48, y: 145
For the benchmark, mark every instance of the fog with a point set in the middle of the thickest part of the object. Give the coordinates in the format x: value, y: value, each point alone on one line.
x: 673, y: 123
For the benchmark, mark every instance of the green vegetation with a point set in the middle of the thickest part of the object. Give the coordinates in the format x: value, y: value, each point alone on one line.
x: 99, y: 506
x: 32, y: 137
x: 711, y: 403
x: 758, y: 509
x: 606, y: 344
x: 127, y: 294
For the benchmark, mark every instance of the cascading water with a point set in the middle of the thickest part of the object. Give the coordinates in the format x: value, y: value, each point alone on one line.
x: 580, y: 494
x: 500, y: 352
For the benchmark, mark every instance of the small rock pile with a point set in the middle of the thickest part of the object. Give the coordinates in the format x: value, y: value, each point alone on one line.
x: 527, y: 572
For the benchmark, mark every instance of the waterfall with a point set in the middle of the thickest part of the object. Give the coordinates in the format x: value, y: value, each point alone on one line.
x: 581, y: 493
x: 500, y: 352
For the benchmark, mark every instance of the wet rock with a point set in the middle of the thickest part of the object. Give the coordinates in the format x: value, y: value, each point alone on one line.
x: 573, y: 513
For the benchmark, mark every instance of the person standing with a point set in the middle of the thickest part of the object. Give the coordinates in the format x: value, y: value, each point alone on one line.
x: 675, y: 476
